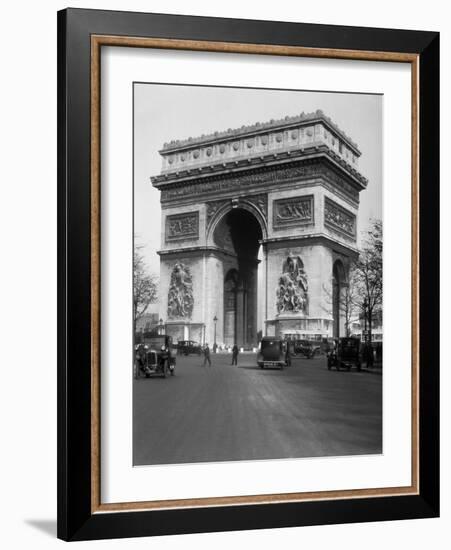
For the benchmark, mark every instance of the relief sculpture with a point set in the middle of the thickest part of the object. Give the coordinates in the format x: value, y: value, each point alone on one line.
x: 185, y: 226
x: 261, y: 202
x: 213, y: 207
x: 339, y: 218
x: 293, y: 286
x: 270, y: 176
x: 229, y: 182
x: 293, y: 211
x: 180, y: 296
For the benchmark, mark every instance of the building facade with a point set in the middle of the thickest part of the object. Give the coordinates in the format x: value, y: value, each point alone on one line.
x: 148, y: 322
x: 258, y: 220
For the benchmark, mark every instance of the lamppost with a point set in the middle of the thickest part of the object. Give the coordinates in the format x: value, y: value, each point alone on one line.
x: 365, y: 305
x: 368, y: 349
x: 161, y: 327
x: 215, y: 320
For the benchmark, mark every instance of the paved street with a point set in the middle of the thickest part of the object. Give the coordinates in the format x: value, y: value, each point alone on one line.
x: 223, y: 413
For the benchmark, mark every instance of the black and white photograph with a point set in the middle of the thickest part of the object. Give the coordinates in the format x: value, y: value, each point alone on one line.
x: 225, y: 283
x: 257, y: 274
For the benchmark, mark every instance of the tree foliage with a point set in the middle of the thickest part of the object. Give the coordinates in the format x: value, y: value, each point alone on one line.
x: 368, y: 272
x: 348, y: 302
x: 144, y: 286
x: 363, y: 289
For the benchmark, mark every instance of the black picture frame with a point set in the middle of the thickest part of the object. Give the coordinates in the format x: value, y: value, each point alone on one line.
x: 76, y: 520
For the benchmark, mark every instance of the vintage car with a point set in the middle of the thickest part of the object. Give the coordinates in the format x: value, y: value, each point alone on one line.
x: 346, y: 354
x: 155, y: 357
x: 307, y: 348
x: 327, y: 345
x: 273, y: 352
x: 186, y: 347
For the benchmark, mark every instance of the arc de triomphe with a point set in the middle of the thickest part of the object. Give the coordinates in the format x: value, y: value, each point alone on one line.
x: 289, y: 186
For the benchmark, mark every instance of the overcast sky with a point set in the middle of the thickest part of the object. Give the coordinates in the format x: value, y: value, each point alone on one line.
x: 165, y: 112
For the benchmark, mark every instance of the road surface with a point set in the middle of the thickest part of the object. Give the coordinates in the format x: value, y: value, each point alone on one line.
x: 226, y: 413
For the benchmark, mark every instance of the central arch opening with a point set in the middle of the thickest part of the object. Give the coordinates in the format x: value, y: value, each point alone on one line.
x: 239, y: 234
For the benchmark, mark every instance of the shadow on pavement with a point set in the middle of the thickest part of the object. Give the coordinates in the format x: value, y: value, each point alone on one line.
x: 266, y: 369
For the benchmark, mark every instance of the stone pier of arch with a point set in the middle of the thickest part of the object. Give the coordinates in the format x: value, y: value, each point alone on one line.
x: 240, y: 208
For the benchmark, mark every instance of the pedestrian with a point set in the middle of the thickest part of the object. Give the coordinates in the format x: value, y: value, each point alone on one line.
x: 235, y: 355
x: 288, y: 355
x: 207, y: 356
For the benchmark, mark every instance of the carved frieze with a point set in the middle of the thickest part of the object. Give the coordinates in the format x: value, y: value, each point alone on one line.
x: 293, y: 211
x: 182, y: 226
x: 339, y: 219
x: 217, y: 184
x: 255, y: 177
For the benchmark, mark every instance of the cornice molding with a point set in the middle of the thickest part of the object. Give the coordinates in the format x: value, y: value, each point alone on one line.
x: 262, y: 176
x: 269, y: 160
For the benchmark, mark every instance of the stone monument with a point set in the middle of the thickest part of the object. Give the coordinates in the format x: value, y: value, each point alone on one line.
x: 259, y: 225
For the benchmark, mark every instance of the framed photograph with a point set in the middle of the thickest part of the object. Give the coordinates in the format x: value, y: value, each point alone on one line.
x: 248, y: 274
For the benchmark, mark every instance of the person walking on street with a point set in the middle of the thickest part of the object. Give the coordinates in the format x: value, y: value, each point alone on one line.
x: 207, y: 356
x: 235, y: 355
x: 288, y: 355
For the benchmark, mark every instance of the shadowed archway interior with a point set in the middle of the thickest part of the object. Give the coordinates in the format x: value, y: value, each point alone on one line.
x: 339, y: 287
x: 239, y: 234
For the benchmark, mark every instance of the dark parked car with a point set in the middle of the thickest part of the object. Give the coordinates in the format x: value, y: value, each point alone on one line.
x: 273, y: 352
x: 155, y: 357
x: 186, y: 347
x: 308, y: 348
x: 346, y: 354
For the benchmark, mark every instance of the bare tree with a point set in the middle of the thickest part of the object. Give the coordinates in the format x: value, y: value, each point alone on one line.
x: 348, y: 300
x: 348, y: 303
x: 144, y: 286
x: 368, y: 273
